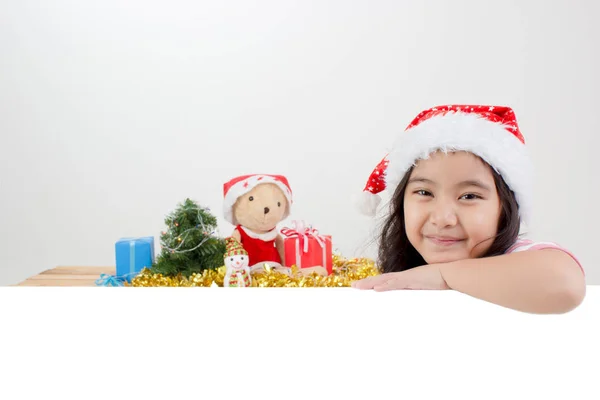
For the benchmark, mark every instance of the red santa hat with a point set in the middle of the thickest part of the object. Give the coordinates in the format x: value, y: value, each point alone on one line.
x: 490, y: 132
x: 241, y: 185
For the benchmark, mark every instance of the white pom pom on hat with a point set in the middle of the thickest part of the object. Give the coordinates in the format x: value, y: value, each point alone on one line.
x: 490, y: 132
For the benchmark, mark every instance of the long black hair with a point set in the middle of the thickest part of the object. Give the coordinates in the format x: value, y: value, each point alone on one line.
x: 396, y: 253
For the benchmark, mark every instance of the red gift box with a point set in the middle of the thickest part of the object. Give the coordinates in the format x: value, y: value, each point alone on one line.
x: 305, y: 247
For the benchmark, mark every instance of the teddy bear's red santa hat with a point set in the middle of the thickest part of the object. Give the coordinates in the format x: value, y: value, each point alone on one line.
x: 239, y: 186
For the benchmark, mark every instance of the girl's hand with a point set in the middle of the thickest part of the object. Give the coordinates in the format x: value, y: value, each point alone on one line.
x: 427, y: 277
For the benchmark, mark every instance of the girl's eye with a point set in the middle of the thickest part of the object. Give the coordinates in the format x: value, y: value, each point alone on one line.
x: 423, y: 193
x: 470, y: 196
x: 251, y: 198
x: 278, y: 204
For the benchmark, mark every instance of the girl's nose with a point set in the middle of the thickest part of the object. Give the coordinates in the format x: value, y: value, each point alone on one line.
x: 443, y: 215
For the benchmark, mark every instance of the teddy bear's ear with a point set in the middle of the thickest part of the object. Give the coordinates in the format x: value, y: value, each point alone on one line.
x: 367, y: 203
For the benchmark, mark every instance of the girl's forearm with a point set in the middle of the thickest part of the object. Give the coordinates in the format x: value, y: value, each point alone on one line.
x: 541, y: 281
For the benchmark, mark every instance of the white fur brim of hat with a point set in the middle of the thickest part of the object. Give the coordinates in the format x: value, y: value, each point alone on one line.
x: 466, y: 132
x: 242, y: 187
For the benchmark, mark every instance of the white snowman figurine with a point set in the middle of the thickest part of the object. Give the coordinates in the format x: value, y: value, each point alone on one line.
x: 236, y: 262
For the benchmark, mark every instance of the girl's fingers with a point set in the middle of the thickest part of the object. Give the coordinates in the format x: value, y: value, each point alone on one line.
x: 364, y: 284
x: 390, y: 284
x: 372, y: 281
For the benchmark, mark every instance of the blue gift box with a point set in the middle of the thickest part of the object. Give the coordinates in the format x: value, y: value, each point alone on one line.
x: 133, y: 255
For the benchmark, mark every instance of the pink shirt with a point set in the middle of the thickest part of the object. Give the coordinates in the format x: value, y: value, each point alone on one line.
x: 526, y: 244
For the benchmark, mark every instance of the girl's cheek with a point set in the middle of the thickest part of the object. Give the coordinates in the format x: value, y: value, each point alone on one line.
x: 484, y: 221
x: 411, y: 214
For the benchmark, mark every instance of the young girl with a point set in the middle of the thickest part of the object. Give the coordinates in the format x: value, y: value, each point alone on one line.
x: 461, y: 181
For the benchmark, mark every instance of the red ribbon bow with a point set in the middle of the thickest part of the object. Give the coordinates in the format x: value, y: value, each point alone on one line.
x: 302, y: 232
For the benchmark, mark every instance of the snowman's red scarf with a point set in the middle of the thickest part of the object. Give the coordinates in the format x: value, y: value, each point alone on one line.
x: 233, y: 280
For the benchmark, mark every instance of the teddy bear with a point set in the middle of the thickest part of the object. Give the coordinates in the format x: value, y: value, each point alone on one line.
x: 255, y: 204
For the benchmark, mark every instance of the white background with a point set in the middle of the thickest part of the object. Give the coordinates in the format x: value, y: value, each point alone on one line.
x: 112, y: 112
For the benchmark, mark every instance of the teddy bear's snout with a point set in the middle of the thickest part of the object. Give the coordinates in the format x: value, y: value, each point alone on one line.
x: 267, y: 210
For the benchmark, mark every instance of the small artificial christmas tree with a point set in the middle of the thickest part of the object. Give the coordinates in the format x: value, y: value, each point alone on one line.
x: 190, y: 244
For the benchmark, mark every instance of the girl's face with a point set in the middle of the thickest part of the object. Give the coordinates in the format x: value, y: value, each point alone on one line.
x: 451, y: 207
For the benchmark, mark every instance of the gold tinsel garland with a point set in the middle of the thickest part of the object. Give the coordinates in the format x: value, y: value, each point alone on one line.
x: 344, y: 272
